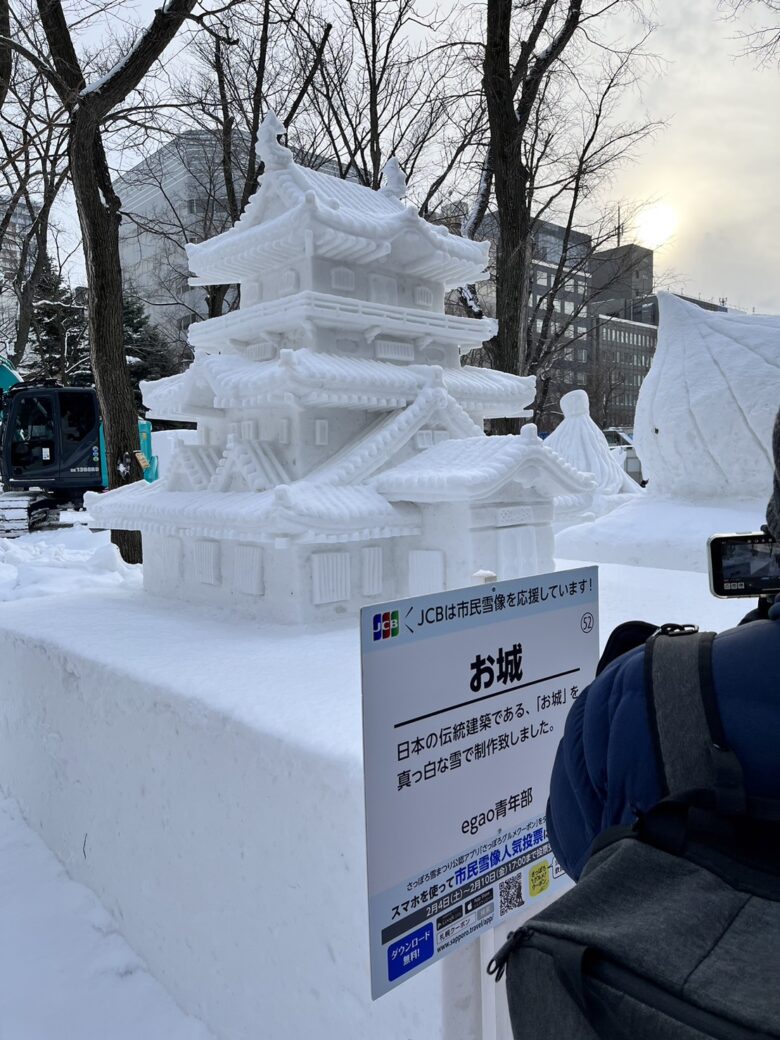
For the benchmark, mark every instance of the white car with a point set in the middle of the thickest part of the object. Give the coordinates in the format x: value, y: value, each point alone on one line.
x: 621, y: 445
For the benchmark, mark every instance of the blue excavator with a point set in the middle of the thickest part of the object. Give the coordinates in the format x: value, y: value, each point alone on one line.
x: 52, y: 450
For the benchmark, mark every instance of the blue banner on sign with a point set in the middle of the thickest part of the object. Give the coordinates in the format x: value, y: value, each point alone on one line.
x: 408, y: 953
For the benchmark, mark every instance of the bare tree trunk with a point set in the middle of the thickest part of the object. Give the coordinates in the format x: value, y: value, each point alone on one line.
x: 98, y: 209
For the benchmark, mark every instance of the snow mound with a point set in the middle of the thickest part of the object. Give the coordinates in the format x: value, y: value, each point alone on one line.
x: 651, y: 531
x: 61, y: 562
x: 703, y: 426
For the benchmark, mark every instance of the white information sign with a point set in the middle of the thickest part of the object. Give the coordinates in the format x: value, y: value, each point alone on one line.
x: 465, y: 694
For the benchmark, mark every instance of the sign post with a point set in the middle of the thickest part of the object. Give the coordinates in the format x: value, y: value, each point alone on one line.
x: 465, y: 694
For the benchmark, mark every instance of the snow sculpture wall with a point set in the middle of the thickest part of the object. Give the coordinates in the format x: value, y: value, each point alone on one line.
x: 705, y: 411
x: 341, y: 455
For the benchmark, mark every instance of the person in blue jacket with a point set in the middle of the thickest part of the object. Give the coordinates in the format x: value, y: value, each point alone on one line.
x: 606, y: 771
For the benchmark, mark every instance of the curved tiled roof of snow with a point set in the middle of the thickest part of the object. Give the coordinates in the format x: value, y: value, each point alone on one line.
x: 703, y: 425
x: 476, y: 467
x: 164, y: 398
x: 334, y: 380
x: 296, y: 510
x: 357, y: 461
x: 339, y: 208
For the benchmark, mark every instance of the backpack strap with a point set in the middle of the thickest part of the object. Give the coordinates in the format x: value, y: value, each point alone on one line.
x: 690, y: 742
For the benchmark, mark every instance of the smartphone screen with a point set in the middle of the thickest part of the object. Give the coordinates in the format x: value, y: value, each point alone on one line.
x: 744, y: 564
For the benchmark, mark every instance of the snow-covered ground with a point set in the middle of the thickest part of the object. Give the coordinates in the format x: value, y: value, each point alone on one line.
x: 65, y: 971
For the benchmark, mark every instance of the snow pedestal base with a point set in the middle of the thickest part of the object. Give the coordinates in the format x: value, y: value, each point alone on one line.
x: 204, y: 777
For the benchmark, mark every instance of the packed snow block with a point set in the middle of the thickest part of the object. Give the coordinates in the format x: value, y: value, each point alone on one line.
x: 203, y: 776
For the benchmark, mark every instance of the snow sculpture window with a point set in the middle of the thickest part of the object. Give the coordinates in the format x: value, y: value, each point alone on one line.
x: 423, y: 439
x: 383, y: 289
x: 248, y: 429
x: 371, y: 570
x: 391, y: 350
x: 205, y: 557
x: 426, y: 571
x: 330, y: 574
x: 423, y: 296
x: 170, y: 560
x: 248, y: 569
x: 289, y: 282
x: 320, y: 432
x: 342, y: 278
x: 284, y: 431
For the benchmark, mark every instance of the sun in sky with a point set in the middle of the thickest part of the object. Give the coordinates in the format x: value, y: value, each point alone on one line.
x: 656, y: 224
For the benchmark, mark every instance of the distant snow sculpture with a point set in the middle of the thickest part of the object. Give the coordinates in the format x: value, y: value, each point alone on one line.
x: 393, y: 180
x: 579, y: 440
x: 341, y: 458
x: 704, y: 416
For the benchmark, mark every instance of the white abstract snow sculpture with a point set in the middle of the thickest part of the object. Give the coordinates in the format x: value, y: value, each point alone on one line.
x: 579, y: 440
x: 703, y: 425
x: 393, y: 180
x: 341, y: 458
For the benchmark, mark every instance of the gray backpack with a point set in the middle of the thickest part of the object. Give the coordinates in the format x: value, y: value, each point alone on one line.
x: 673, y: 931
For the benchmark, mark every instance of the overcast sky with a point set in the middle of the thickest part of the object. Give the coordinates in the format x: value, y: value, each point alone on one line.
x: 714, y: 168
x: 717, y: 163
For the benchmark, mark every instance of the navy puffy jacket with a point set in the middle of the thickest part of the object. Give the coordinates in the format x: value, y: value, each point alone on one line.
x: 606, y: 768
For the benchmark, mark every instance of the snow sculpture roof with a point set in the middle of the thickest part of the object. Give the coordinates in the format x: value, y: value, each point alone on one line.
x: 579, y: 440
x: 300, y: 510
x: 703, y: 426
x: 163, y: 397
x: 476, y: 467
x: 297, y: 209
x: 331, y: 380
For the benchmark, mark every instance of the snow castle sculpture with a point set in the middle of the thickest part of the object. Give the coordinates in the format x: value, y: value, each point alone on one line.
x: 703, y: 425
x: 341, y: 457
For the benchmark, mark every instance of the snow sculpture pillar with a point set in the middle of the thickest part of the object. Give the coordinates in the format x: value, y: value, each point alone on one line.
x: 341, y: 456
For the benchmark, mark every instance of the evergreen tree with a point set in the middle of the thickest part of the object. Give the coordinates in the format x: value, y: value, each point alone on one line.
x: 149, y: 354
x: 59, y: 345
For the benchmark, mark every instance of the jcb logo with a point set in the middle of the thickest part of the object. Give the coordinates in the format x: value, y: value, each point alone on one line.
x: 386, y: 625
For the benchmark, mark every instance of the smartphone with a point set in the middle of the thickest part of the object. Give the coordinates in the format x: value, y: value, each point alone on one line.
x: 744, y: 564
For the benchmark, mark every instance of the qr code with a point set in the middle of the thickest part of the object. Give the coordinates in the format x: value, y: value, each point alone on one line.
x: 510, y: 895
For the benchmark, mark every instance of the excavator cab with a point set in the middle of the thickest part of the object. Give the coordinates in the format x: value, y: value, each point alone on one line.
x: 51, y: 441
